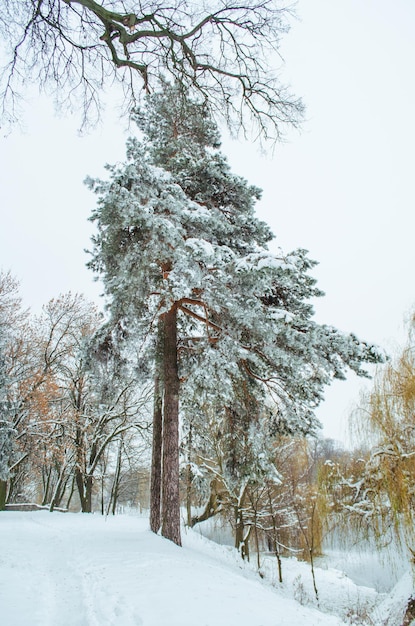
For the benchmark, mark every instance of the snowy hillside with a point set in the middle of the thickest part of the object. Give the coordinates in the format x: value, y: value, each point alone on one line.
x: 85, y: 570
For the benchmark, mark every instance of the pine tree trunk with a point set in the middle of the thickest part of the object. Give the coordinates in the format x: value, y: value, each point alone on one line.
x: 170, y: 475
x: 155, y: 482
x: 157, y: 444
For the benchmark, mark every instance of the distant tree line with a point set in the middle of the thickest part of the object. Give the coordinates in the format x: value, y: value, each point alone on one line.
x: 66, y: 416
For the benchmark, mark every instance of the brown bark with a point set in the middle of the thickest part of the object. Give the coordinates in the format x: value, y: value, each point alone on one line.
x: 170, y: 476
x: 84, y: 484
x: 155, y: 481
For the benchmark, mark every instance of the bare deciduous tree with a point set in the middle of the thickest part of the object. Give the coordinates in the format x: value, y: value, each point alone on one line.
x: 224, y: 51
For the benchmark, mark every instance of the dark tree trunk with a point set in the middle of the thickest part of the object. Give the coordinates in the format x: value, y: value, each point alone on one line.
x: 170, y: 476
x: 3, y: 494
x: 116, y: 484
x: 80, y: 485
x: 68, y: 503
x: 157, y: 444
x: 46, y: 475
x: 79, y: 474
x: 155, y: 482
x: 102, y: 495
x: 88, y: 494
x: 84, y: 480
x: 84, y: 484
x: 58, y: 491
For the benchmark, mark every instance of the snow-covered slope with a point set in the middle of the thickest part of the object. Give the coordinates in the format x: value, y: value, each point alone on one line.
x: 85, y: 570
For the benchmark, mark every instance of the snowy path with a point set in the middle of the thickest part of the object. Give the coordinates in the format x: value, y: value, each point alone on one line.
x: 80, y: 570
x: 38, y: 562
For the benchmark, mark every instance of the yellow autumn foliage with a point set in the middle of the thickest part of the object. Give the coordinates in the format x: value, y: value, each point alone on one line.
x: 388, y: 420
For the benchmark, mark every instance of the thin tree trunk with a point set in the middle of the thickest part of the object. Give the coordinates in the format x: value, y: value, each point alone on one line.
x: 71, y: 492
x: 58, y: 491
x: 275, y: 535
x: 79, y: 474
x: 170, y: 476
x: 311, y: 551
x: 258, y: 556
x: 277, y: 554
x: 116, y: 483
x: 313, y: 574
x: 102, y: 495
x: 309, y: 541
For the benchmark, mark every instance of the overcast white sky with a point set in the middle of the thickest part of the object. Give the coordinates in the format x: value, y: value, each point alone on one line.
x: 343, y: 188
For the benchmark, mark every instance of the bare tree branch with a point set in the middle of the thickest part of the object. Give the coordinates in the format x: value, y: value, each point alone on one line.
x: 225, y: 52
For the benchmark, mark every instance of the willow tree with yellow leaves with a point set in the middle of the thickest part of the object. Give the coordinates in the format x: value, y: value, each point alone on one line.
x: 378, y: 487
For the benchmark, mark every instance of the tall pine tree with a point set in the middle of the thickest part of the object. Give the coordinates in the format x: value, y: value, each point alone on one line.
x: 186, y: 267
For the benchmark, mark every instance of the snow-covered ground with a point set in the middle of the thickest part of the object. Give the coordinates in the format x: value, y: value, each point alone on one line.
x: 86, y: 570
